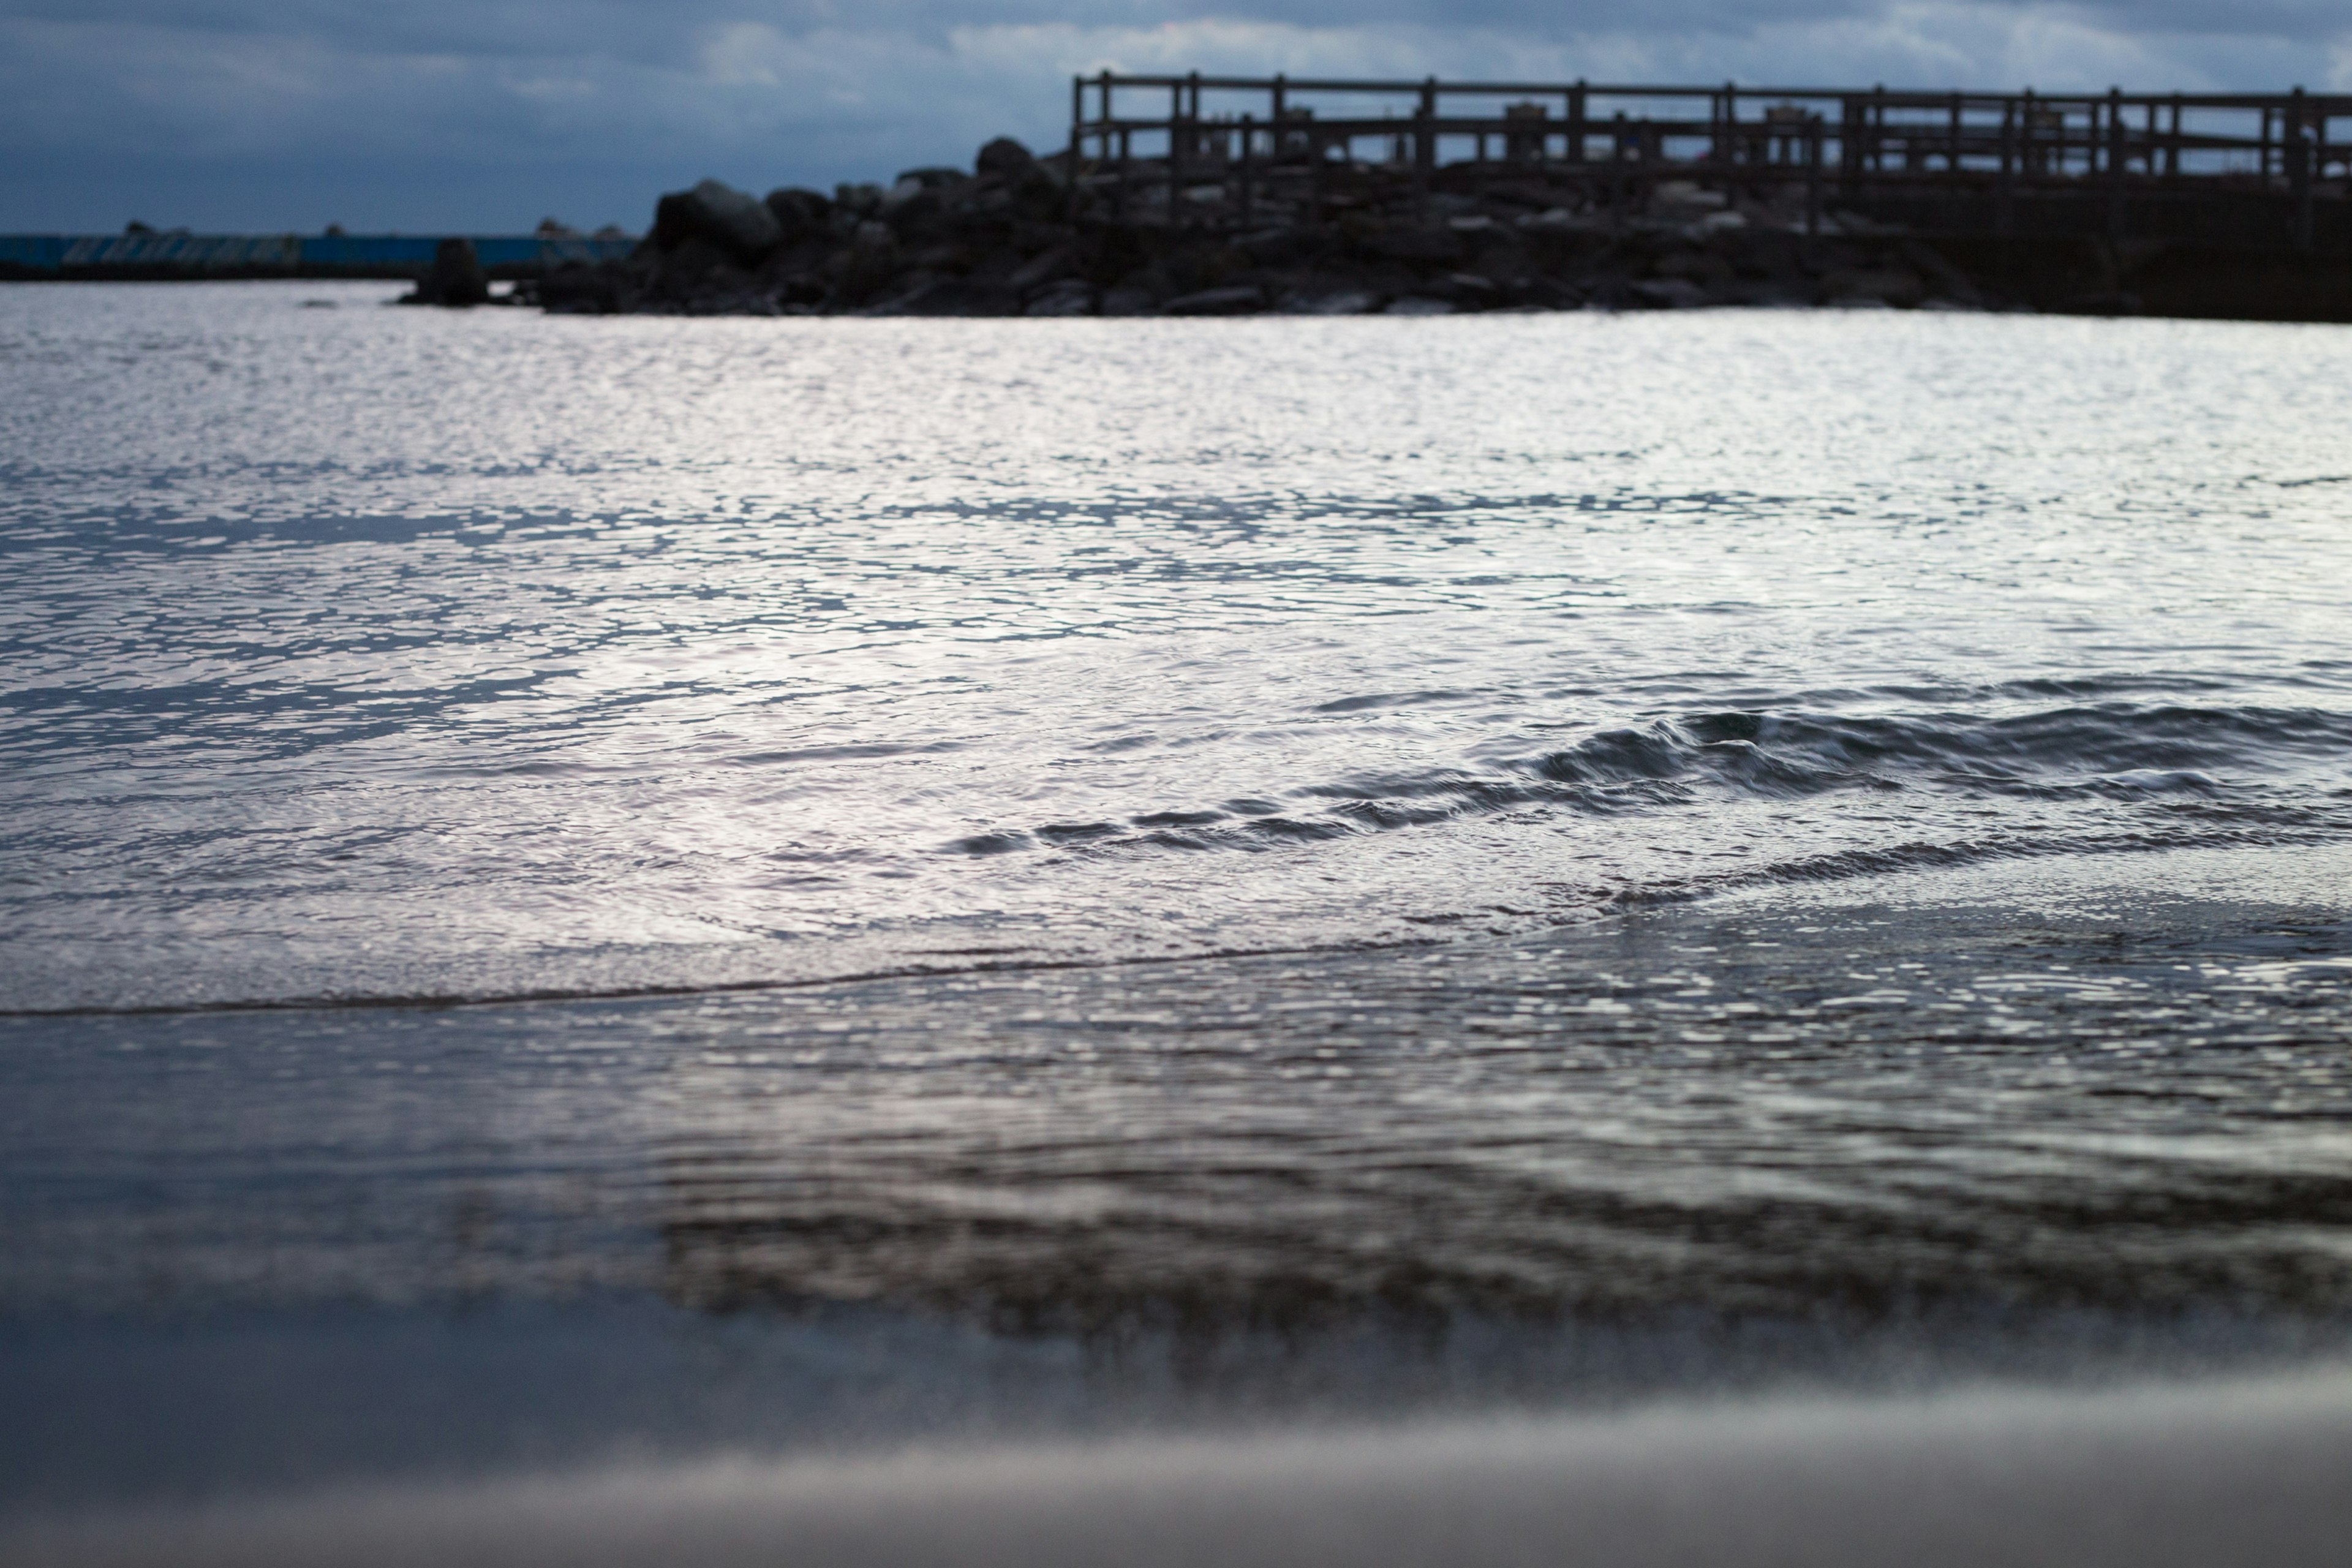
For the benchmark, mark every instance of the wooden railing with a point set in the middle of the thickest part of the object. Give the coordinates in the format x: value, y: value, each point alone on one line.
x: 1241, y: 134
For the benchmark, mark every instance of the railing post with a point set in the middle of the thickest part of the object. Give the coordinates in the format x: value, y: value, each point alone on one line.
x: 1813, y: 175
x: 1249, y: 136
x: 1576, y: 122
x: 2117, y: 160
x: 1175, y: 131
x: 1077, y: 120
x: 2004, y: 198
x: 1852, y: 112
x: 1424, y: 144
x: 1113, y: 145
x: 1619, y: 181
x: 2298, y: 169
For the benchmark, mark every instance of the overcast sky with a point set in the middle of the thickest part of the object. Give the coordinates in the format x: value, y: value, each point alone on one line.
x: 487, y: 115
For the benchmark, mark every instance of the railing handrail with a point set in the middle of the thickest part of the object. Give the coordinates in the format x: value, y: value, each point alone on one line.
x: 2330, y: 105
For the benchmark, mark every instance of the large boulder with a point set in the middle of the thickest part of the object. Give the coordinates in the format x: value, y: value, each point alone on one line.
x: 799, y: 212
x: 1028, y: 184
x: 698, y: 268
x: 456, y: 278
x: 870, y: 259
x: 1239, y: 300
x: 920, y: 203
x: 1006, y: 159
x: 1070, y: 297
x: 736, y: 222
x: 1889, y: 285
x: 932, y: 177
x: 960, y: 296
x: 1425, y: 246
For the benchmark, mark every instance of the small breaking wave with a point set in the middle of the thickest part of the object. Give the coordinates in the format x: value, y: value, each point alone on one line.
x: 2217, y: 764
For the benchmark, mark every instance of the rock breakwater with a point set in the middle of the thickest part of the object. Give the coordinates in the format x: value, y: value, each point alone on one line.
x: 1016, y: 235
x: 1010, y: 238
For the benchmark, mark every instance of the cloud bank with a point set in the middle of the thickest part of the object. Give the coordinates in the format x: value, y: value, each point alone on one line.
x: 250, y: 114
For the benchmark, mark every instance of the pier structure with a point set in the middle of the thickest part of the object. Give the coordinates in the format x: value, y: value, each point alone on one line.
x: 1199, y: 151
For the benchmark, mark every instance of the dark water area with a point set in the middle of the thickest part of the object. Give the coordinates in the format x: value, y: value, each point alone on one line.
x: 605, y: 893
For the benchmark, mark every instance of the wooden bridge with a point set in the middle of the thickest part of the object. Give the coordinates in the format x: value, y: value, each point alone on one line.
x: 2269, y: 168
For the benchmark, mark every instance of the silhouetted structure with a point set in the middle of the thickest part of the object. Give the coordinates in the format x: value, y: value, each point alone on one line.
x: 1229, y: 151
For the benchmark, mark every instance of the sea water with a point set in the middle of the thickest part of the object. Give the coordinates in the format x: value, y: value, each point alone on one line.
x: 585, y: 887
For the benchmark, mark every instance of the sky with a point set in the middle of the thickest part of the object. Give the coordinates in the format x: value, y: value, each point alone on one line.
x: 484, y: 116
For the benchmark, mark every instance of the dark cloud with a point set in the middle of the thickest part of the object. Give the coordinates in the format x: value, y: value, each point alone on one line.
x: 486, y: 113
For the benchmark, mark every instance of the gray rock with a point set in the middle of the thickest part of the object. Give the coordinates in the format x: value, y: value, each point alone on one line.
x: 868, y: 262
x: 1239, y: 300
x: 1283, y: 246
x: 959, y: 296
x: 931, y: 177
x: 1347, y: 302
x: 1070, y: 297
x: 1027, y: 185
x: 1667, y: 293
x: 1127, y: 300
x: 456, y: 278
x: 577, y: 289
x: 798, y: 212
x: 920, y: 198
x: 1947, y: 280
x: 699, y: 266
x: 727, y: 217
x: 1438, y: 245
x: 1898, y: 286
x: 1546, y: 294
x: 1006, y: 159
x: 1472, y: 289
x: 1042, y: 268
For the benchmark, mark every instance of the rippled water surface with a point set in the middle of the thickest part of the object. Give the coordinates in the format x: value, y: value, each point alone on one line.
x: 1595, y: 832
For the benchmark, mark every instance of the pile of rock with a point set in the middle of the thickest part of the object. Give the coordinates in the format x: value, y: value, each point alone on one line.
x: 1012, y: 238
x: 456, y: 278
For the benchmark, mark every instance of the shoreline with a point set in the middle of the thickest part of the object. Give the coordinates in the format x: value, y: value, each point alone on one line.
x: 2188, y: 1472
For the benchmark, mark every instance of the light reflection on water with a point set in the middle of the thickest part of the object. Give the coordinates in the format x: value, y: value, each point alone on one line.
x: 355, y: 653
x: 1496, y: 832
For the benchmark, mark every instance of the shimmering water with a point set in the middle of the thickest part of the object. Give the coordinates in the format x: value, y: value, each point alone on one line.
x: 1170, y: 867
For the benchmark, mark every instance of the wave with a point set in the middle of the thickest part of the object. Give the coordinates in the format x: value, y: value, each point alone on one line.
x: 2214, y: 763
x: 1561, y: 905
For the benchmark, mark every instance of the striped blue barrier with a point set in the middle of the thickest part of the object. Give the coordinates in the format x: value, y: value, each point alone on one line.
x: 251, y: 255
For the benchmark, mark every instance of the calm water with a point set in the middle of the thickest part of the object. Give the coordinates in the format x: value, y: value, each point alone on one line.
x: 1043, y: 873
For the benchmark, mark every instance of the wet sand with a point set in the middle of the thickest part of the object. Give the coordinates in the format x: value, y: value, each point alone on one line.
x: 2245, y: 1472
